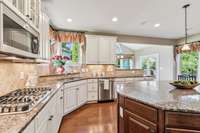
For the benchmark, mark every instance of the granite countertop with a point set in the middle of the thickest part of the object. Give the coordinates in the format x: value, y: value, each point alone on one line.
x: 14, y: 123
x: 162, y: 95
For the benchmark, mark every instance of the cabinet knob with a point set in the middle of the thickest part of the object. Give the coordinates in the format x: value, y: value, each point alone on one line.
x: 152, y: 131
x: 51, y: 117
x: 61, y: 97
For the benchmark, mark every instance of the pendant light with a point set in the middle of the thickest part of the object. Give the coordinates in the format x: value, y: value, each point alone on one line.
x: 186, y: 46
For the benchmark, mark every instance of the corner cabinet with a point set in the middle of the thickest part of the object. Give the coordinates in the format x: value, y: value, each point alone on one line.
x: 100, y: 49
x: 75, y: 95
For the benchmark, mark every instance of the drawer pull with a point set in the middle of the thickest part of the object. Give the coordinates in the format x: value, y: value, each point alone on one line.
x: 152, y: 131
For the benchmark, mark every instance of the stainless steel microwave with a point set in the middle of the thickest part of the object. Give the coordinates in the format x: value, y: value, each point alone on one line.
x: 19, y: 37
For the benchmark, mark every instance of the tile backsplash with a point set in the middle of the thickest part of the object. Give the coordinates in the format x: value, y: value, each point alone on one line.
x: 14, y: 75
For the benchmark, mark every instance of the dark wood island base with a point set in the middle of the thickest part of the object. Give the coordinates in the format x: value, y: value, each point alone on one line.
x: 137, y: 117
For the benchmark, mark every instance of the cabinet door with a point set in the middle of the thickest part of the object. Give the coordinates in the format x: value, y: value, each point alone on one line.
x: 70, y: 99
x: 30, y: 128
x: 82, y: 94
x: 104, y: 50
x: 92, y: 50
x: 175, y: 130
x: 113, y: 41
x: 44, y: 37
x: 53, y: 122
x: 61, y: 103
x: 107, y: 50
x: 136, y: 125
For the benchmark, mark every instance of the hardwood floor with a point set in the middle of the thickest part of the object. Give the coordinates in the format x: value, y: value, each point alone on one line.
x: 92, y: 118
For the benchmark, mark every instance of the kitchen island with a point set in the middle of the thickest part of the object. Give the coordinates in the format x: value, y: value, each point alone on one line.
x: 157, y: 107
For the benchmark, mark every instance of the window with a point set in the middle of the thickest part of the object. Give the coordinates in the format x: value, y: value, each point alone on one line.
x: 71, y: 50
x: 125, y: 62
x: 150, y: 65
x: 188, y: 63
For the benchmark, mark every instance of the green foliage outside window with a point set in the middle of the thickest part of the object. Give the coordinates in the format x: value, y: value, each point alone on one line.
x: 149, y: 63
x: 72, y: 51
x: 189, y: 63
x: 75, y: 53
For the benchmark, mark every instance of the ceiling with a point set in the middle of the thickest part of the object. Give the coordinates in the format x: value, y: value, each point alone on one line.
x: 135, y: 17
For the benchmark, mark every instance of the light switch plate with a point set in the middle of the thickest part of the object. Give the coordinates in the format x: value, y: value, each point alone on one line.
x: 121, y: 112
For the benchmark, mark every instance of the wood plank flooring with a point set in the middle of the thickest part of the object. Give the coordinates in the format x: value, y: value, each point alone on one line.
x: 91, y: 118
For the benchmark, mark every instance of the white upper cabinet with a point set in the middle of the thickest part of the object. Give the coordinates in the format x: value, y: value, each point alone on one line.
x: 27, y: 8
x: 44, y: 36
x: 92, y: 50
x: 100, y: 49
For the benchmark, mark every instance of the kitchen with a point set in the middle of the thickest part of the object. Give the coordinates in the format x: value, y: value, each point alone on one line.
x: 123, y: 71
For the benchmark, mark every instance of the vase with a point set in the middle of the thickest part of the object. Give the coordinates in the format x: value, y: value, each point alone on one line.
x: 60, y: 70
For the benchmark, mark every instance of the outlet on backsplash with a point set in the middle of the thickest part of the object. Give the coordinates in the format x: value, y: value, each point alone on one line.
x: 22, y: 75
x: 32, y: 79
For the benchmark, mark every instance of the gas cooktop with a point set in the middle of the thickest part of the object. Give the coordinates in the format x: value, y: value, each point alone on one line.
x: 23, y: 100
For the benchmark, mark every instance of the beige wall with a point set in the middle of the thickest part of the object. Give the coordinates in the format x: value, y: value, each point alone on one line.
x: 139, y: 39
x: 191, y: 38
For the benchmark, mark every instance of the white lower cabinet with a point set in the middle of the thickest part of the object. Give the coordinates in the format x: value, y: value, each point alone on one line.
x: 49, y: 118
x: 82, y: 94
x: 70, y: 99
x: 30, y: 128
x: 92, y: 90
x: 75, y: 95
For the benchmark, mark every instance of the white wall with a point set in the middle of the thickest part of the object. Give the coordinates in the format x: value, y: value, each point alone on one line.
x: 166, y: 60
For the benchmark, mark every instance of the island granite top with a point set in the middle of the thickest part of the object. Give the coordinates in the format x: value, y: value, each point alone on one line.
x: 162, y: 95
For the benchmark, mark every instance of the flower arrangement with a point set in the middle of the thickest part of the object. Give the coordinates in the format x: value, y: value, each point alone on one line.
x: 58, y: 62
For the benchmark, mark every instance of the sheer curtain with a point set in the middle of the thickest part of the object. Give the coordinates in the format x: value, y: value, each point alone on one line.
x: 198, y: 74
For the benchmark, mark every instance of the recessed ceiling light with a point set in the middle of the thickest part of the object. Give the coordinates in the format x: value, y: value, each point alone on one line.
x: 157, y: 25
x: 114, y: 19
x: 69, y: 20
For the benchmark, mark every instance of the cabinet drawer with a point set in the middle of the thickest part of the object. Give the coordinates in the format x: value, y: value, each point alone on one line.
x: 76, y: 83
x: 182, y: 120
x: 175, y: 130
x: 92, y: 87
x: 92, y: 81
x: 119, y: 80
x: 142, y: 110
x: 136, y: 124
x: 92, y: 96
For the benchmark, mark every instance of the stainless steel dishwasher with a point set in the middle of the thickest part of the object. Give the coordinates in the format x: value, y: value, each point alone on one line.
x: 105, y: 90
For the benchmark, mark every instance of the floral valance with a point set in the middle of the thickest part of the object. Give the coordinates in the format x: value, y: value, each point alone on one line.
x: 62, y: 36
x: 71, y: 37
x: 194, y: 47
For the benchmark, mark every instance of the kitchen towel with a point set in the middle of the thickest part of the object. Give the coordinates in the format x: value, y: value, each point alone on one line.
x: 106, y: 84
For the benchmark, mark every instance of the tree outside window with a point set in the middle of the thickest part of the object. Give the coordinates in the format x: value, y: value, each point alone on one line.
x: 189, y: 63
